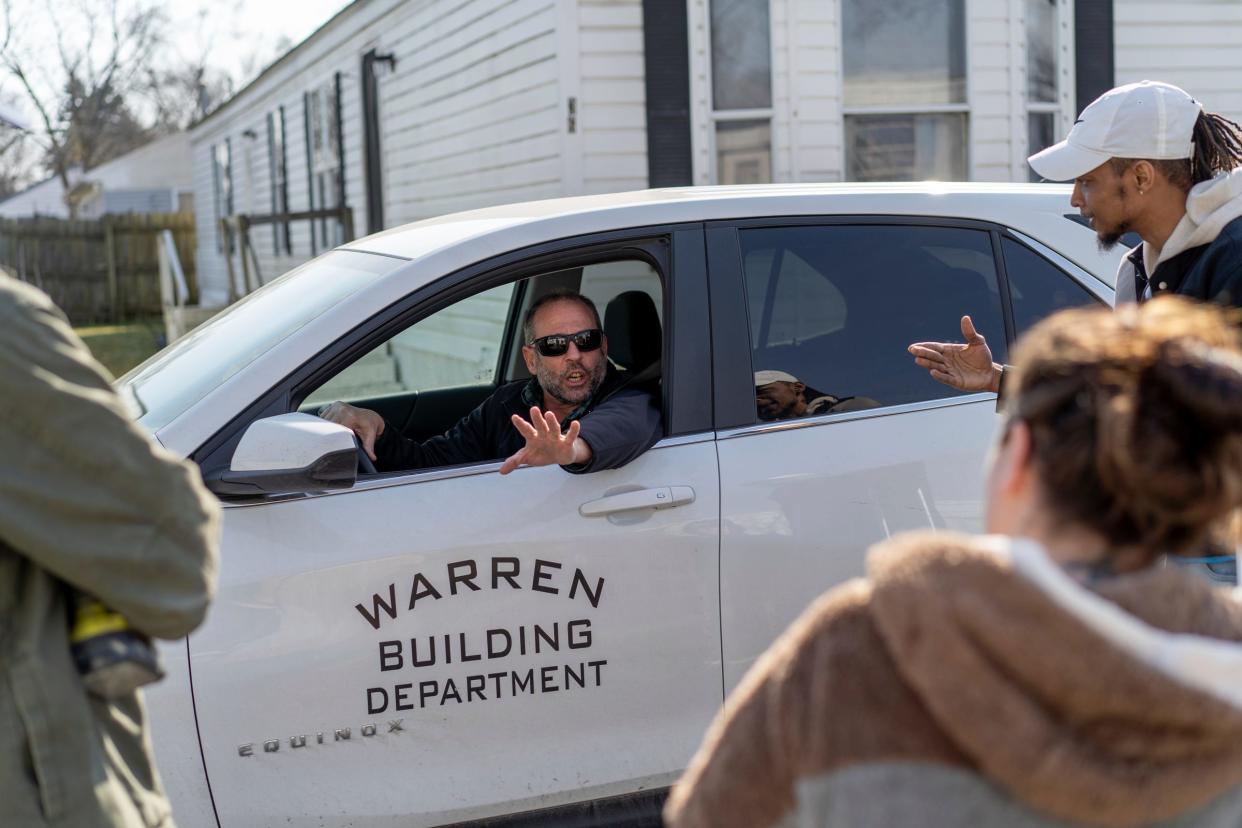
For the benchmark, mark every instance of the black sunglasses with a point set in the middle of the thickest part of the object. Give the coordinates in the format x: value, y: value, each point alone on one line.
x: 554, y: 345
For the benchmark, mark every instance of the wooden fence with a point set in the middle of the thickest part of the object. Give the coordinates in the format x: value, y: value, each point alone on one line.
x: 102, y: 270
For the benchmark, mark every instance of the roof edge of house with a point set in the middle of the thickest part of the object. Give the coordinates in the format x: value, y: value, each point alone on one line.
x: 29, y: 187
x: 274, y: 65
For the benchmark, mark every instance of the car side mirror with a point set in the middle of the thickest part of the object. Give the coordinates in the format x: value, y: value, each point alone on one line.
x: 289, y: 453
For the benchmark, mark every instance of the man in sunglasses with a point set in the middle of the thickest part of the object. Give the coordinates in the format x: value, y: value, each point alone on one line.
x: 576, y: 411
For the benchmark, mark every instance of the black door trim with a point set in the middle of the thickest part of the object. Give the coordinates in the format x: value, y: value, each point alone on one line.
x: 1002, y: 276
x: 734, y: 392
x: 913, y: 220
x: 635, y: 810
x: 688, y: 331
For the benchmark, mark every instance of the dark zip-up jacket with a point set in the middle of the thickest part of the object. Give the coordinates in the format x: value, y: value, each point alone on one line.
x: 619, y: 422
x: 1209, y: 272
x: 1202, y: 258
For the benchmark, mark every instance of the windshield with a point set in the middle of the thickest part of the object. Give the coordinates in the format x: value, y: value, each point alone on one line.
x: 167, y: 384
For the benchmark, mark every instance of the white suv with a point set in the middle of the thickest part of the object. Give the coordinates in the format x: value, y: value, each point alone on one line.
x: 446, y: 645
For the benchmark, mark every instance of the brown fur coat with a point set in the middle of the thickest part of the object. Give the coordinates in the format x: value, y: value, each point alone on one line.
x: 950, y: 689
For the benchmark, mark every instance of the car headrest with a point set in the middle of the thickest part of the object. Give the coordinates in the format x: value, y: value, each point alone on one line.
x: 633, y: 328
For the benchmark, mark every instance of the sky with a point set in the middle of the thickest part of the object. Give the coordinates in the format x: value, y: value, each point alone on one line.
x: 239, y: 37
x: 239, y: 31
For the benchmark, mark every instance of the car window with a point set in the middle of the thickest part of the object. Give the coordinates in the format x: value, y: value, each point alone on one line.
x: 182, y: 374
x: 832, y: 309
x: 605, y: 281
x: 1037, y: 287
x: 457, y: 346
x: 802, y: 303
x: 425, y: 378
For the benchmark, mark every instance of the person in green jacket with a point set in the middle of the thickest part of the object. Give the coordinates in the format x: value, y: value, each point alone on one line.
x: 89, y: 505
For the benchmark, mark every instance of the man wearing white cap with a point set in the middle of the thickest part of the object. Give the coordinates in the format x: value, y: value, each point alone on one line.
x: 1146, y: 158
x: 780, y: 395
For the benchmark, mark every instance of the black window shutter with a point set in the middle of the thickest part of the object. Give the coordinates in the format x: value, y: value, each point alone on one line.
x: 1093, y: 50
x: 666, y: 57
x: 310, y: 167
x: 371, y: 144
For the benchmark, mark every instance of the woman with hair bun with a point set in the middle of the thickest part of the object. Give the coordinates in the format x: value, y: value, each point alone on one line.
x: 1052, y: 673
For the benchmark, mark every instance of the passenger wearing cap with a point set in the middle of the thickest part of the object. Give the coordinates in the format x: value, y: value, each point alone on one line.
x: 1144, y: 158
x: 780, y: 395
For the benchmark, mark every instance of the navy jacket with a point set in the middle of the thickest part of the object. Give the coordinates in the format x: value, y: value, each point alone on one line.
x: 618, y: 423
x: 1210, y: 272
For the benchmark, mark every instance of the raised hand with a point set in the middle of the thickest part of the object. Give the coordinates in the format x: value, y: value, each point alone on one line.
x: 966, y: 367
x: 545, y: 444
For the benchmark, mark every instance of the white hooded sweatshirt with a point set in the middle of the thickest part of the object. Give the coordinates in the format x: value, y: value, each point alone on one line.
x: 1210, y: 205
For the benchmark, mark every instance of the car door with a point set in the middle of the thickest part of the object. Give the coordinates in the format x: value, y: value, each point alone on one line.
x: 832, y: 304
x: 445, y: 645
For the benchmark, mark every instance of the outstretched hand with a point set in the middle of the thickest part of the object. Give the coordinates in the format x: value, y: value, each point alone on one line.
x: 545, y: 444
x: 966, y: 367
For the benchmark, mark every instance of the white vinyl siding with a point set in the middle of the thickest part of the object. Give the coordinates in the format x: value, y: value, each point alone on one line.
x: 338, y: 47
x: 136, y: 201
x: 476, y: 110
x: 1191, y: 43
x: 807, y: 86
x: 782, y: 86
x: 611, y: 96
x: 471, y: 115
x: 997, y: 83
x: 992, y: 80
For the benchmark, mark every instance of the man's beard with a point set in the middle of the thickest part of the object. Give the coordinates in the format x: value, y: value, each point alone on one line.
x: 553, y: 387
x: 1107, y: 241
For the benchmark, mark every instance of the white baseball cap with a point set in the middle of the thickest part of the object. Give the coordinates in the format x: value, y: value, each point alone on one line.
x: 1148, y: 119
x: 769, y: 377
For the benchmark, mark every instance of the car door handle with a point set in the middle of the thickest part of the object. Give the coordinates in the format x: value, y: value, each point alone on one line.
x: 664, y: 497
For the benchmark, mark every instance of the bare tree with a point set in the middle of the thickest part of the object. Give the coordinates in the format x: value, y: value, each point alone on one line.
x: 185, y: 90
x: 16, y: 158
x: 184, y: 94
x: 84, y: 116
x: 103, y: 77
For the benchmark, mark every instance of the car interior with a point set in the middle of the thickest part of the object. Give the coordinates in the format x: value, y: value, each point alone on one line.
x: 427, y: 377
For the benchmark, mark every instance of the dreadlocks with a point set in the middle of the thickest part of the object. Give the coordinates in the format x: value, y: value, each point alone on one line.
x: 1218, y: 146
x: 1217, y: 149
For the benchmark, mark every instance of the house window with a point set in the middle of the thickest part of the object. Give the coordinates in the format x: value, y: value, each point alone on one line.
x: 279, y: 176
x: 904, y: 89
x: 1042, y: 95
x: 222, y: 181
x: 741, y: 59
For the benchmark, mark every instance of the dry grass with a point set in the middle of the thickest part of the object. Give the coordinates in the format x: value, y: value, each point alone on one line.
x: 121, y: 347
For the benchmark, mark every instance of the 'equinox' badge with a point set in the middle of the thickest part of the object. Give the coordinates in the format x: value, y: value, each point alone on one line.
x: 343, y: 734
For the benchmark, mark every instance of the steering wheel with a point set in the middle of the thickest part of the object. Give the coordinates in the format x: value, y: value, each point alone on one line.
x: 364, y: 461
